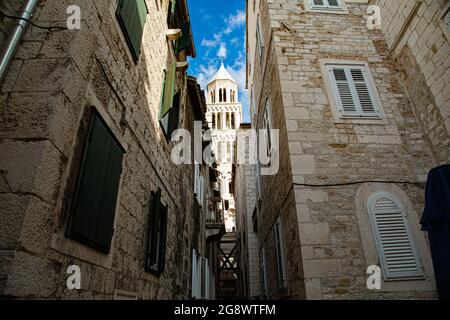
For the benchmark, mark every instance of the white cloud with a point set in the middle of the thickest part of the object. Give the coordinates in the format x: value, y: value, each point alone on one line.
x: 205, y: 74
x: 235, y: 21
x: 222, y: 53
x: 214, y: 42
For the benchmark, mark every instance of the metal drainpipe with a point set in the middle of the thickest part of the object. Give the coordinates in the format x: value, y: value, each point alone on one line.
x: 16, y: 36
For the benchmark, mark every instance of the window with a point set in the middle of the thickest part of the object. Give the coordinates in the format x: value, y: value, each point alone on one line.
x: 95, y: 198
x: 227, y: 120
x: 393, y: 237
x: 263, y: 277
x: 170, y: 103
x: 326, y: 4
x: 132, y: 15
x: 233, y: 121
x: 156, y: 244
x: 447, y: 19
x: 198, y: 183
x: 219, y: 120
x: 213, y: 120
x: 200, y: 276
x: 267, y: 126
x: 352, y: 89
x: 279, y: 253
x: 259, y: 38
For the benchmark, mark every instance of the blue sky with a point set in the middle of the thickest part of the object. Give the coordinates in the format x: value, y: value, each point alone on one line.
x: 219, y: 33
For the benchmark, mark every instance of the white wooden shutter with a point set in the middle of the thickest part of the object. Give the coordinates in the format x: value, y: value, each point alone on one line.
x: 326, y: 4
x: 353, y: 92
x: 279, y: 252
x: 393, y: 238
x: 194, y: 274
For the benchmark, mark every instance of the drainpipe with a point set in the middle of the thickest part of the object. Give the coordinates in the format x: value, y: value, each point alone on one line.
x: 16, y: 36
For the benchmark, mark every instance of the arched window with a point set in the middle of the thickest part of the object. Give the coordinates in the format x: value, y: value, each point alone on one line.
x: 220, y: 95
x: 233, y: 121
x: 219, y: 120
x: 213, y: 120
x: 227, y: 120
x: 224, y: 95
x: 228, y: 152
x: 393, y: 237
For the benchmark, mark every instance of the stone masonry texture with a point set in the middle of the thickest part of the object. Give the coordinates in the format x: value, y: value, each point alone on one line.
x: 44, y: 100
x: 324, y: 236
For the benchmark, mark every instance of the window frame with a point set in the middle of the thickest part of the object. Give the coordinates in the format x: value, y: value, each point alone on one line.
x: 259, y: 39
x: 69, y: 232
x: 279, y: 245
x: 268, y: 127
x: 380, y: 119
x: 374, y: 198
x: 160, y: 236
x: 311, y: 7
x: 445, y: 28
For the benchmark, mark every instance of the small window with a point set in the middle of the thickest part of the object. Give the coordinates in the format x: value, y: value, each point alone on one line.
x: 213, y: 120
x: 447, y: 19
x: 279, y: 253
x: 156, y: 244
x: 259, y: 38
x: 132, y: 15
x: 267, y: 126
x: 393, y: 238
x: 95, y: 197
x: 353, y: 92
x: 326, y: 4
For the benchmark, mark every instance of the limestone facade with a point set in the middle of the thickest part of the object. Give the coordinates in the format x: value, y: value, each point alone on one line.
x: 50, y: 90
x: 327, y: 243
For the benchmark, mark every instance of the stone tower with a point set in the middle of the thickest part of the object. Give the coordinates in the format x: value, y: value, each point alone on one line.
x: 224, y: 116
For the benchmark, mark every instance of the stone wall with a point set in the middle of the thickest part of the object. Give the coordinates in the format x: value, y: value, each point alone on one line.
x: 324, y: 250
x: 418, y: 41
x: 245, y: 194
x: 54, y: 79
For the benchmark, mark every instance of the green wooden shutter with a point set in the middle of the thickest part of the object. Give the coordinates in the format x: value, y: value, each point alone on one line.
x: 169, y: 85
x: 132, y: 15
x: 156, y: 245
x: 95, y: 198
x: 183, y: 42
x: 162, y: 240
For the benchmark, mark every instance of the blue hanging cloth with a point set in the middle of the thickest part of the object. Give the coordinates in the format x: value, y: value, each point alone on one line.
x: 436, y: 220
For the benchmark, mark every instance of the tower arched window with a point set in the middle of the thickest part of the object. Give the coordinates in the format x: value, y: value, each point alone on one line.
x: 219, y: 121
x: 224, y: 95
x: 213, y: 120
x: 220, y: 95
x: 227, y: 120
x: 228, y: 152
x: 233, y: 121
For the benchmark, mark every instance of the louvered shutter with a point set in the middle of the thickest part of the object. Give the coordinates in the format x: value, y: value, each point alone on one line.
x: 393, y: 238
x: 168, y: 91
x: 132, y: 15
x: 352, y: 91
x: 365, y: 97
x: 326, y: 4
x: 95, y: 199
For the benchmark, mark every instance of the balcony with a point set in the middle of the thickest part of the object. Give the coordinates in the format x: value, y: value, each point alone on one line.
x: 215, y: 223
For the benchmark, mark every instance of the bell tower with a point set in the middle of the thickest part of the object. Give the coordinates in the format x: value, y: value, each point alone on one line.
x: 224, y: 115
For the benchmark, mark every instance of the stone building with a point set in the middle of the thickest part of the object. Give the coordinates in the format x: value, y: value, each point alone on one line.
x: 224, y: 116
x: 245, y: 191
x: 86, y: 176
x: 362, y: 116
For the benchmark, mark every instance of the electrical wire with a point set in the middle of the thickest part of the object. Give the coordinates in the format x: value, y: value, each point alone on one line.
x: 356, y: 183
x: 51, y: 29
